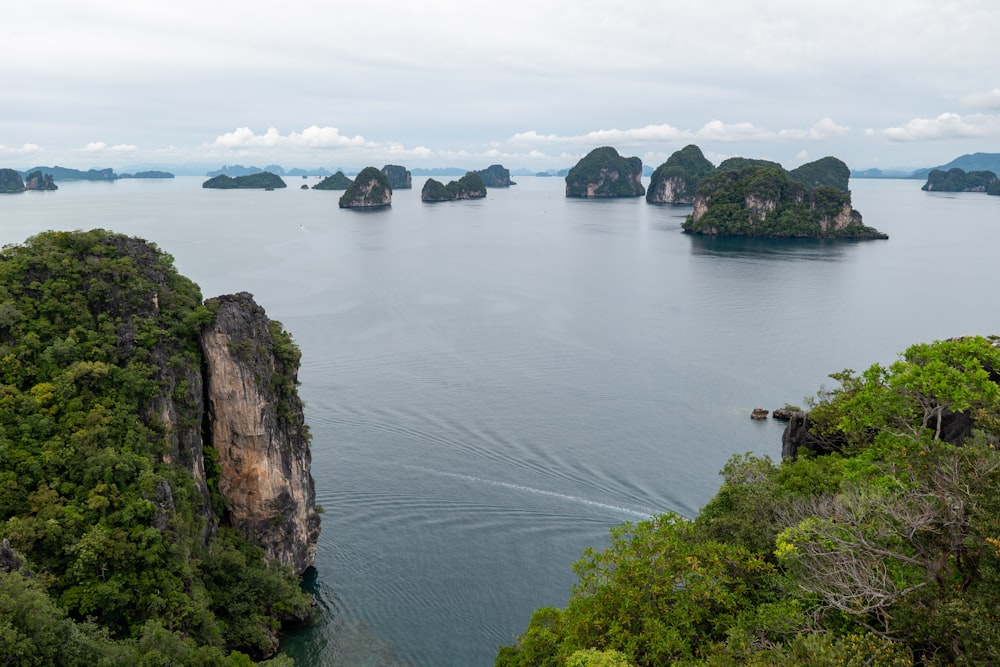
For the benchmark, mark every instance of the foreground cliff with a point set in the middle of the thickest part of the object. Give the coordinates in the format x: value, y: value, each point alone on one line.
x: 154, y: 461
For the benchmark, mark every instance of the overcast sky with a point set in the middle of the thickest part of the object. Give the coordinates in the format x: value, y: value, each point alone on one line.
x: 535, y: 84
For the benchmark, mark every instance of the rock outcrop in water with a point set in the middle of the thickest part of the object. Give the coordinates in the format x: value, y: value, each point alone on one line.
x: 10, y: 181
x: 766, y: 201
x: 265, y: 180
x: 399, y: 177
x: 495, y: 176
x: 370, y: 189
x: 469, y: 186
x: 36, y: 180
x: 256, y: 426
x: 959, y: 180
x: 337, y: 181
x: 605, y: 173
x: 675, y: 181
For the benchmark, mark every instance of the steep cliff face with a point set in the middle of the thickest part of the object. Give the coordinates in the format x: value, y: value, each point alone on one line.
x: 676, y: 180
x: 495, y: 176
x: 399, y: 176
x: 256, y: 426
x: 36, y: 180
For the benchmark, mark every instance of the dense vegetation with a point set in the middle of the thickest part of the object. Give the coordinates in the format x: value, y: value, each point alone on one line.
x: 828, y: 171
x: 767, y: 202
x: 496, y: 176
x: 605, y: 173
x: 264, y: 180
x: 883, y: 552
x: 469, y: 186
x: 685, y: 169
x: 335, y: 182
x: 118, y: 558
x: 958, y: 180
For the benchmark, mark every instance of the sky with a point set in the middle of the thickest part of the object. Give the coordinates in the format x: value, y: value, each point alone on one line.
x: 526, y: 84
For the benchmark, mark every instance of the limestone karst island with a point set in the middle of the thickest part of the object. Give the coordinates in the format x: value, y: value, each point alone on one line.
x: 156, y: 498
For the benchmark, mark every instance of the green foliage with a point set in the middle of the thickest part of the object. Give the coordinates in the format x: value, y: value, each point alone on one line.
x: 766, y: 201
x: 958, y: 180
x: 10, y: 181
x: 96, y: 329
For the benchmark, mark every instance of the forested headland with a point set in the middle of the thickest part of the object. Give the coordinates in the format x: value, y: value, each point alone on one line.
x: 876, y: 541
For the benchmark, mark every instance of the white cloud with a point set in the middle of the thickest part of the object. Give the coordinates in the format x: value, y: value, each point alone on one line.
x: 20, y: 150
x: 311, y: 137
x: 714, y: 130
x: 101, y: 147
x: 946, y: 126
x: 989, y: 101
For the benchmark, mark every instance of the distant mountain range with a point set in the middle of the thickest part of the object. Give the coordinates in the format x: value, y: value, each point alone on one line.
x: 239, y: 170
x: 968, y: 162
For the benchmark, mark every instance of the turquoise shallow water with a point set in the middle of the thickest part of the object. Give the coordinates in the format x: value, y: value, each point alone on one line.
x: 491, y: 385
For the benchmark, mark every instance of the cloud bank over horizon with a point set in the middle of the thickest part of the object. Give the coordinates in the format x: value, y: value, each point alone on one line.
x: 535, y: 85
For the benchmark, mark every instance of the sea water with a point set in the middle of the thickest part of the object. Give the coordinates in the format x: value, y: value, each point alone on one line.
x: 492, y: 384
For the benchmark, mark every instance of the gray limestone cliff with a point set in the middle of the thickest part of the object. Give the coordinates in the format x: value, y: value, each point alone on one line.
x: 256, y: 426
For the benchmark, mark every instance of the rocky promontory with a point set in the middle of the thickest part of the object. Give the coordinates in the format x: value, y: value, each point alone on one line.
x: 264, y: 180
x: 335, y: 182
x: 399, y: 177
x: 767, y: 201
x: 370, y: 189
x: 495, y: 176
x: 469, y: 186
x: 605, y: 173
x: 675, y: 181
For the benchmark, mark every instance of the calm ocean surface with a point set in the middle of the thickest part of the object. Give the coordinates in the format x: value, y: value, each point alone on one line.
x: 491, y: 385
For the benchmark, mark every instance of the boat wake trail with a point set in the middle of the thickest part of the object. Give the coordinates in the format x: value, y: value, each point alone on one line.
x: 642, y: 513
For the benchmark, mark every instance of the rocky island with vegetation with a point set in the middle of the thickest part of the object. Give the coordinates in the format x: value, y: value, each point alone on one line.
x: 264, y: 180
x: 369, y: 189
x: 399, y: 177
x: 11, y: 181
x: 469, y: 186
x: 495, y: 176
x: 604, y: 173
x: 959, y: 180
x: 675, y: 181
x: 759, y: 198
x: 874, y: 541
x: 156, y: 500
x: 337, y: 181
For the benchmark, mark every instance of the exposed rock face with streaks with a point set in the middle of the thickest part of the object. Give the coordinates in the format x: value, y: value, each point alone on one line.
x: 257, y: 428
